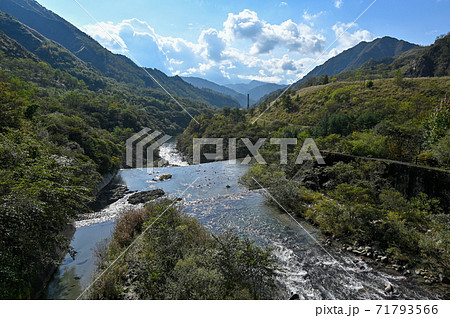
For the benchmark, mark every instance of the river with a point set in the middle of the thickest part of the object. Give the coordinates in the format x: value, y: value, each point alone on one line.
x: 219, y: 202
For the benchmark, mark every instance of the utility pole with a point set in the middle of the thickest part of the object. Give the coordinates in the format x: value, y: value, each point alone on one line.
x: 248, y: 101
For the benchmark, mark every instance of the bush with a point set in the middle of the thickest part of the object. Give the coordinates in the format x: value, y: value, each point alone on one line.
x: 177, y: 258
x: 367, y: 145
x: 441, y: 150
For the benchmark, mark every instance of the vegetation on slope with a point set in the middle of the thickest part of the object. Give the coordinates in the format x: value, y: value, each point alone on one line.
x: 351, y: 59
x: 176, y: 258
x: 57, y: 138
x: 390, y: 119
x: 398, y: 118
x: 354, y: 202
x: 65, y: 47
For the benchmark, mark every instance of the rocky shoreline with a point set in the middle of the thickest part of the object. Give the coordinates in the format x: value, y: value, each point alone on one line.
x: 434, y: 281
x: 108, y: 195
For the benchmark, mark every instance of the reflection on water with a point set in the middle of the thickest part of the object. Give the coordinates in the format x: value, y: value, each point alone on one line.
x: 219, y: 203
x: 75, y: 274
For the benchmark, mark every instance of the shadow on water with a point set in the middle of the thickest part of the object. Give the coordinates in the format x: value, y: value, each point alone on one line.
x: 75, y: 274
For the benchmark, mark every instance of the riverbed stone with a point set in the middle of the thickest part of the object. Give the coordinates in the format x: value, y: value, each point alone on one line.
x: 165, y: 177
x: 145, y: 196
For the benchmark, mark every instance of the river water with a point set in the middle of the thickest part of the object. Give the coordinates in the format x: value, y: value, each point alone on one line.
x: 213, y: 195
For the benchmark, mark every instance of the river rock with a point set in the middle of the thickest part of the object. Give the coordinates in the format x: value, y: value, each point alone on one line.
x: 165, y: 177
x: 108, y: 195
x: 145, y: 196
x: 384, y: 259
x: 389, y: 289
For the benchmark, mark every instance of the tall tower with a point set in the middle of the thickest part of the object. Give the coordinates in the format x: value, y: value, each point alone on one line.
x: 248, y: 101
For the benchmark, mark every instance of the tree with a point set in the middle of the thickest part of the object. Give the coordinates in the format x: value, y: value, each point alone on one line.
x: 398, y: 78
x: 287, y: 103
x: 369, y: 84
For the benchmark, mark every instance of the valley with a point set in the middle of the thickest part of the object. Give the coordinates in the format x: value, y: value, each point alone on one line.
x: 372, y: 222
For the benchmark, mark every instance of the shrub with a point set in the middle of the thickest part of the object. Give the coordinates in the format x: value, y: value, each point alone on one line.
x: 177, y: 258
x: 441, y: 150
x: 128, y: 226
x: 368, y: 145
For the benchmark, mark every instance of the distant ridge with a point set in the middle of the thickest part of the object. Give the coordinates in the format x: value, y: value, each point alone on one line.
x: 203, y: 83
x: 256, y: 89
x: 356, y: 56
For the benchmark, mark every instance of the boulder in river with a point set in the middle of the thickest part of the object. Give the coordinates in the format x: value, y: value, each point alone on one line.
x: 145, y: 196
x: 389, y: 289
x: 108, y: 195
x: 165, y: 177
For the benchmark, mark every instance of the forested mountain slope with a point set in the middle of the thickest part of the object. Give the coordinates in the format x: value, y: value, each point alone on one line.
x: 115, y: 66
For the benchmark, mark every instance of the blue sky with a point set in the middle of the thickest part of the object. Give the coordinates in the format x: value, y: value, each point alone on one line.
x: 240, y: 40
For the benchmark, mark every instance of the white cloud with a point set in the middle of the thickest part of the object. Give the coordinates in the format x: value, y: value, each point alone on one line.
x: 338, y: 3
x: 348, y: 39
x: 238, y: 51
x: 310, y: 17
x: 283, y: 4
x: 112, y: 41
x: 246, y: 25
x: 213, y: 45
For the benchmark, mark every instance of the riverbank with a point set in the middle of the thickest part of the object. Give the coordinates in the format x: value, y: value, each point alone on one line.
x: 304, y: 268
x: 353, y: 204
x: 435, y: 283
x: 107, y: 192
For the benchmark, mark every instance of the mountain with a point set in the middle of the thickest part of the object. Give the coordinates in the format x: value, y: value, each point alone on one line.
x: 433, y: 61
x: 176, y: 85
x: 11, y: 48
x: 256, y: 89
x: 430, y: 61
x: 45, y: 25
x: 261, y: 91
x: 203, y: 83
x: 53, y: 27
x: 358, y: 55
x: 49, y: 51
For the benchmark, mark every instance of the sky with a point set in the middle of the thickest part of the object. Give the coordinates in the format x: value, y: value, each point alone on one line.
x: 236, y: 41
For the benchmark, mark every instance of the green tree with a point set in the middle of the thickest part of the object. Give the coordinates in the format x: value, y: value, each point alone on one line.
x: 398, y: 78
